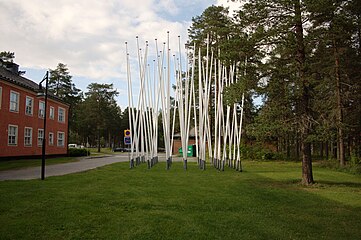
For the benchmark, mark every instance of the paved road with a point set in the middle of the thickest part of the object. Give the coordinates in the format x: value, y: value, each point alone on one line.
x: 62, y: 169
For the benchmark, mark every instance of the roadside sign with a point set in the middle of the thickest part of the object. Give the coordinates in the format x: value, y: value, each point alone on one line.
x: 127, y: 140
x: 127, y: 133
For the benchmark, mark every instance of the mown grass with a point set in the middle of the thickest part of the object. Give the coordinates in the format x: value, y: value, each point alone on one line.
x: 350, y: 167
x: 94, y: 151
x: 265, y: 201
x: 26, y: 163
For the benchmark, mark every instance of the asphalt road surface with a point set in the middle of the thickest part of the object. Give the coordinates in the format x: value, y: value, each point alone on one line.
x: 84, y: 164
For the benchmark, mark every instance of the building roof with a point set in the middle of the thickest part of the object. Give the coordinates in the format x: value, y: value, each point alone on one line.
x: 11, y: 77
x: 192, y: 133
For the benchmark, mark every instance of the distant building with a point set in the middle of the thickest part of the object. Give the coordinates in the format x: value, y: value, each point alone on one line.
x: 22, y: 117
x: 177, y: 141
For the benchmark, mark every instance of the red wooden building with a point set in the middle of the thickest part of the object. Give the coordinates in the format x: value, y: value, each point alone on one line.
x: 22, y: 117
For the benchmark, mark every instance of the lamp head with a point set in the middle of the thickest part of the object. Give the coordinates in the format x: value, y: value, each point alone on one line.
x: 40, y: 94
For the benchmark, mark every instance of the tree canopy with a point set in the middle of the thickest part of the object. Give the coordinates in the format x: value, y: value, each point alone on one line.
x: 302, y: 58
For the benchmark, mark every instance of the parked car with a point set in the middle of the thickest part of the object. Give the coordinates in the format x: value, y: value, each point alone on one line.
x: 119, y: 149
x: 74, y: 145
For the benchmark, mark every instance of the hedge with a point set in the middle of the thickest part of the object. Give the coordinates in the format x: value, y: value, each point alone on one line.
x: 77, y: 152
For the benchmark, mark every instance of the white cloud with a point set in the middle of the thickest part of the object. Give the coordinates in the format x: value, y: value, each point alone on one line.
x: 169, y: 6
x: 89, y: 35
x: 80, y: 33
x: 232, y: 5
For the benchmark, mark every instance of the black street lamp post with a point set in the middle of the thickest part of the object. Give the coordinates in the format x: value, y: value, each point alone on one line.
x: 46, y: 79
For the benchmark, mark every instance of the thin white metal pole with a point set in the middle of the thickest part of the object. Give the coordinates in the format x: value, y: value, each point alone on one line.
x: 168, y: 97
x: 175, y: 106
x: 130, y: 105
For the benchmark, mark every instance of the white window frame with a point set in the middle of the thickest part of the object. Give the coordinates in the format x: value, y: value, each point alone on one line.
x: 1, y: 96
x: 59, y: 115
x: 15, y: 143
x: 51, y: 138
x: 40, y: 137
x: 12, y: 102
x: 51, y: 112
x: 61, y: 139
x: 30, y: 143
x: 41, y: 112
x: 30, y: 106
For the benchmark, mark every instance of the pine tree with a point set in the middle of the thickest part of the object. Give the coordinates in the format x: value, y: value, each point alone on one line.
x: 276, y: 26
x: 62, y: 86
x: 7, y: 56
x: 99, y: 113
x: 336, y: 36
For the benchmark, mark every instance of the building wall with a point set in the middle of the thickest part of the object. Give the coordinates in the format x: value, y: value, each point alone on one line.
x: 35, y: 122
x: 177, y: 143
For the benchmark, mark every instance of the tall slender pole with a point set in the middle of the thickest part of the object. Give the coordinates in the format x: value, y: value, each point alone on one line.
x: 130, y: 108
x: 168, y: 99
x: 46, y: 78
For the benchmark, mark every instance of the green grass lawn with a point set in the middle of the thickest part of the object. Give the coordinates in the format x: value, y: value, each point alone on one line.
x: 25, y: 163
x: 265, y: 201
x: 94, y: 151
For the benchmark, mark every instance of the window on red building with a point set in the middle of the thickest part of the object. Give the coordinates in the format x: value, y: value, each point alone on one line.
x: 61, y: 137
x: 41, y: 109
x: 61, y: 114
x: 51, y: 138
x: 13, y: 135
x: 40, y: 137
x: 28, y: 136
x: 29, y: 105
x: 14, y: 101
x: 51, y: 113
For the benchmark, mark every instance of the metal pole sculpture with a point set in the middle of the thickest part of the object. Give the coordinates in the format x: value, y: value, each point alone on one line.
x: 220, y: 143
x: 143, y: 120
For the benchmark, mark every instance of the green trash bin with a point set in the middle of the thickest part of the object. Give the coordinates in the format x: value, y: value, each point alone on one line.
x: 180, y: 151
x: 190, y: 151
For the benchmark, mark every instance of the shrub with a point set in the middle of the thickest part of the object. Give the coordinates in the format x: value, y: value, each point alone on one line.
x: 77, y: 152
x: 256, y: 152
x: 268, y: 156
x: 333, y: 164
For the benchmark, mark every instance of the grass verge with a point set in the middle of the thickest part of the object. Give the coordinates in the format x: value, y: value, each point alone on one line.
x: 265, y: 201
x: 25, y: 163
x: 350, y: 167
x: 103, y: 151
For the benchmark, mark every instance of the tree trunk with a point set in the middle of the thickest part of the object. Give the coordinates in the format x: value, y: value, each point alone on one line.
x: 340, y: 137
x: 98, y: 139
x: 109, y: 140
x: 334, y: 149
x: 321, y: 150
x: 349, y: 147
x: 307, y: 175
x: 327, y: 150
x: 297, y: 148
x: 288, y: 149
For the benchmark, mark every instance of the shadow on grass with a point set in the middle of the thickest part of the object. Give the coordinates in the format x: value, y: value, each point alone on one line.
x: 114, y: 202
x: 27, y: 163
x: 339, y: 184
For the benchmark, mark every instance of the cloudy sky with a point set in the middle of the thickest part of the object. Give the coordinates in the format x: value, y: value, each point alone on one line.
x: 89, y: 35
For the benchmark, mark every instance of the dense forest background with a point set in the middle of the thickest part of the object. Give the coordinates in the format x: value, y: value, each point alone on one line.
x: 303, y: 59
